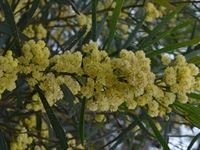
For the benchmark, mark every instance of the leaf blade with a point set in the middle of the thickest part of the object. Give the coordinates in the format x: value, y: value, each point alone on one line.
x: 94, y: 22
x: 174, y: 46
x: 28, y: 15
x: 157, y: 133
x: 112, y: 29
x: 59, y: 132
x: 193, y: 141
x: 82, y: 122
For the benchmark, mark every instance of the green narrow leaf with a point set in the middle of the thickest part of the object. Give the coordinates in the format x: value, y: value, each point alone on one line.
x: 174, y: 46
x: 73, y: 6
x: 140, y: 124
x: 165, y: 4
x: 190, y: 112
x: 112, y: 28
x: 82, y: 122
x: 6, y: 30
x: 156, y: 132
x: 11, y: 21
x: 159, y: 27
x: 26, y: 17
x: 166, y: 33
x: 59, y: 132
x: 74, y: 39
x: 94, y: 22
x: 100, y: 26
x: 133, y: 34
x: 3, y: 144
x: 194, y: 95
x: 67, y: 93
x: 195, y: 59
x: 193, y: 141
x: 121, y: 135
x: 38, y: 123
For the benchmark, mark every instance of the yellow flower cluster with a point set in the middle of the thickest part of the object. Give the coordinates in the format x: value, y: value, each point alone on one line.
x: 67, y: 62
x: 180, y: 77
x: 100, y: 118
x: 152, y: 12
x: 51, y: 88
x: 112, y: 82
x: 106, y: 82
x: 72, y: 143
x: 33, y: 63
x: 84, y: 20
x: 8, y: 72
x: 31, y: 125
x: 128, y: 79
x: 23, y: 139
x: 37, y: 31
x: 166, y: 60
x: 35, y: 57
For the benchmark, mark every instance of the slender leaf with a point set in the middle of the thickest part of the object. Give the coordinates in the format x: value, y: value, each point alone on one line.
x: 194, y: 95
x: 67, y: 93
x: 3, y: 144
x: 26, y: 17
x: 5, y: 29
x: 82, y: 122
x: 166, y: 33
x: 193, y: 141
x: 38, y: 123
x: 156, y: 132
x: 140, y: 124
x: 59, y: 132
x: 190, y: 112
x: 100, y: 25
x: 74, y: 39
x: 133, y: 33
x: 94, y: 23
x: 11, y: 21
x: 195, y: 60
x: 121, y: 135
x: 112, y: 28
x: 175, y: 46
x: 159, y: 27
x: 165, y: 4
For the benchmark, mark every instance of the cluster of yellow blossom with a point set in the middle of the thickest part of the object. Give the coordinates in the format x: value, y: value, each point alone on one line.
x: 152, y: 12
x: 22, y: 140
x: 180, y: 77
x: 72, y: 143
x: 100, y: 118
x: 33, y: 63
x: 66, y: 11
x: 35, y: 57
x: 31, y: 125
x: 107, y: 82
x: 8, y: 72
x: 51, y: 88
x: 67, y: 62
x: 84, y: 20
x: 27, y: 134
x: 37, y: 31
